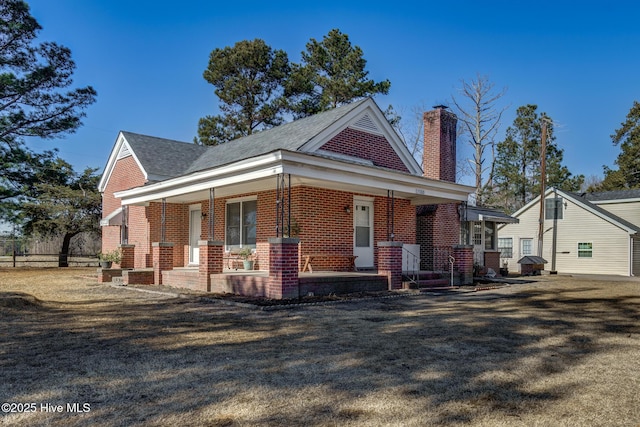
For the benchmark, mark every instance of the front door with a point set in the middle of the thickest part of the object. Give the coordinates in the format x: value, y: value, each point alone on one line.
x: 363, y: 233
x: 195, y: 226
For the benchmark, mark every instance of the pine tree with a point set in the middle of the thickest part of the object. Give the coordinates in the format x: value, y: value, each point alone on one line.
x: 249, y: 82
x: 518, y: 162
x: 628, y: 137
x: 332, y: 73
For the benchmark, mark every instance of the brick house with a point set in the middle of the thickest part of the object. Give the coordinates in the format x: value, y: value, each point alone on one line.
x: 335, y: 191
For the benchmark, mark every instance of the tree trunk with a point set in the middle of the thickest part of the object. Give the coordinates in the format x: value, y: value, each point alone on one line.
x: 63, y: 256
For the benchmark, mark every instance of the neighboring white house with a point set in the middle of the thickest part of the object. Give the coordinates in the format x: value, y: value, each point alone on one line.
x: 596, y: 233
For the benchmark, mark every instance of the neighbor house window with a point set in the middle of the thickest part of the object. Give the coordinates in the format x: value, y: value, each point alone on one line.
x: 241, y: 224
x: 553, y: 208
x: 585, y: 250
x: 526, y: 247
x: 505, y: 246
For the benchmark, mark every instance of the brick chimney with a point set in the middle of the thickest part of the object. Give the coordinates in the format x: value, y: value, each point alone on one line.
x: 439, y: 155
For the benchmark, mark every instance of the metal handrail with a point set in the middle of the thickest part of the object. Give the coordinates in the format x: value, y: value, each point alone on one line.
x: 413, y: 274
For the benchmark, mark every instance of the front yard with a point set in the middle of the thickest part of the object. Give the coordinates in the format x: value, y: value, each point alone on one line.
x: 558, y: 351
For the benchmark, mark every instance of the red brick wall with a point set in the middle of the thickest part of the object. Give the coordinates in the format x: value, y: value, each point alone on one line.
x: 367, y: 146
x: 125, y: 175
x: 439, y: 155
x: 325, y: 227
x: 176, y: 229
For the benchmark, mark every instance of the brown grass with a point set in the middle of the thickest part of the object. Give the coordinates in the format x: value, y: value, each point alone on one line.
x: 558, y: 351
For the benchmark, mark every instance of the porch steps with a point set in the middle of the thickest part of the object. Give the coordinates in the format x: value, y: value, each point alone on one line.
x: 427, y: 280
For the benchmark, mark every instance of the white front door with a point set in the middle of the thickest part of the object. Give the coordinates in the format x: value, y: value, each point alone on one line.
x: 195, y: 226
x: 363, y: 233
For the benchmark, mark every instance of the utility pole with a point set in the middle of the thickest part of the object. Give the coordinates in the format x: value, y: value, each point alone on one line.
x: 543, y: 179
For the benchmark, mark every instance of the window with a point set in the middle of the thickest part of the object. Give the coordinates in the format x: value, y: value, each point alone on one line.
x: 489, y: 235
x: 553, y: 208
x: 241, y: 224
x: 464, y: 233
x: 505, y: 246
x: 526, y: 247
x: 477, y: 233
x: 585, y: 249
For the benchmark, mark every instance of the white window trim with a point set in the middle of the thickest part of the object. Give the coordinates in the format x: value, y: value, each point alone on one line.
x: 578, y: 250
x: 231, y: 201
x: 498, y: 245
x: 521, y: 247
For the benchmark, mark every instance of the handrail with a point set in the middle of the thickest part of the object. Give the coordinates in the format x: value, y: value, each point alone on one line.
x: 413, y: 274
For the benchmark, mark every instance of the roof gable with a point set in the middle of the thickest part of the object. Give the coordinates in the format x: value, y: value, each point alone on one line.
x: 161, y: 158
x: 157, y: 158
x: 585, y: 204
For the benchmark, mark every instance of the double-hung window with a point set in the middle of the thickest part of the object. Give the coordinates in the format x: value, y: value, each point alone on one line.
x: 585, y: 249
x: 241, y: 224
x: 505, y: 246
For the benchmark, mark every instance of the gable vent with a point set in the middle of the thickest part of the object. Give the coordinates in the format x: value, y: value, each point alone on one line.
x: 367, y: 124
x: 125, y: 151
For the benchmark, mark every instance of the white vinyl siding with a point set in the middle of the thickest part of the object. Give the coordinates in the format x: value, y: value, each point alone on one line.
x: 629, y: 211
x: 611, y: 243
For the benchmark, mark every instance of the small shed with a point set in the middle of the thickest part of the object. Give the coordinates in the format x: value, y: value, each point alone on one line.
x: 531, y: 265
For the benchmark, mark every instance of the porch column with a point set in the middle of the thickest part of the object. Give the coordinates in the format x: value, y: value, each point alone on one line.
x: 210, y: 258
x: 283, y: 268
x: 162, y: 260
x: 390, y: 263
x: 464, y: 263
x: 128, y: 256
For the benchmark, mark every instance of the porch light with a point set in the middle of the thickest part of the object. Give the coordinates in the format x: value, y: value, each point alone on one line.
x: 347, y: 209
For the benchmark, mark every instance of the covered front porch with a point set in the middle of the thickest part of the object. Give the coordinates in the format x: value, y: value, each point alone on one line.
x: 289, y: 207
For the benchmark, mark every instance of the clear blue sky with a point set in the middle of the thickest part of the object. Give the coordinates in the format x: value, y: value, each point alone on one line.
x: 578, y: 61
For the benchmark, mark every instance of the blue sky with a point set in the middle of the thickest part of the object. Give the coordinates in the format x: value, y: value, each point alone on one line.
x: 578, y: 61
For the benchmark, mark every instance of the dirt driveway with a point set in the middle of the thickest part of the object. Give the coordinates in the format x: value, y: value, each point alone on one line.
x: 558, y: 351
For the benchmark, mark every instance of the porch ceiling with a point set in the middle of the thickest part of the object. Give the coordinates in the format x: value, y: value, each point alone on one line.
x: 306, y: 170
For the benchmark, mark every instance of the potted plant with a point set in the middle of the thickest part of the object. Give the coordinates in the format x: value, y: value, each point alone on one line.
x: 108, y: 258
x: 245, y: 254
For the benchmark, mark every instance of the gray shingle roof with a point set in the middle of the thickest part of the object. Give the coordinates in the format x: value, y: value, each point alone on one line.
x: 163, y: 158
x: 290, y: 136
x: 612, y: 195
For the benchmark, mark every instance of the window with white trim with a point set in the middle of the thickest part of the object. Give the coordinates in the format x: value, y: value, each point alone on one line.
x: 505, y: 246
x: 526, y: 247
x: 585, y: 249
x: 240, y: 229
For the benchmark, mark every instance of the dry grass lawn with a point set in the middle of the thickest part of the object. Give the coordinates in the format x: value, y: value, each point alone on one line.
x: 560, y: 351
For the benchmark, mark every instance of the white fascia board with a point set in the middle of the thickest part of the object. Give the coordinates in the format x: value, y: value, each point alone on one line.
x: 113, y: 158
x: 309, y: 166
x: 300, y: 165
x: 614, y: 201
x: 246, y: 170
x: 369, y: 106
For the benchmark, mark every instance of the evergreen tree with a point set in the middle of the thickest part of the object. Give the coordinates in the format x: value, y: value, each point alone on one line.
x: 332, y: 73
x: 33, y: 79
x: 518, y: 162
x: 35, y: 100
x: 628, y: 137
x: 249, y: 82
x: 63, y: 203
